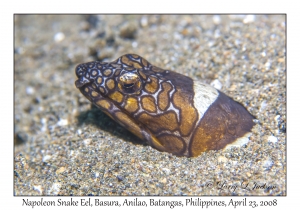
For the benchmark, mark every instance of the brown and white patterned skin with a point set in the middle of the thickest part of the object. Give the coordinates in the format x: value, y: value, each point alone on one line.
x: 170, y: 111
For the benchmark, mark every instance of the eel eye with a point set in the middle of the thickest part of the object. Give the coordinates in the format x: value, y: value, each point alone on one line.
x: 129, y: 83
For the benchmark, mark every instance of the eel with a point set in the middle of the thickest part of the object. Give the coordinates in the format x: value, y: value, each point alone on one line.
x: 170, y: 111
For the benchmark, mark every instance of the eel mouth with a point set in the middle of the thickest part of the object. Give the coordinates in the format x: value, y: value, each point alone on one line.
x: 81, y: 81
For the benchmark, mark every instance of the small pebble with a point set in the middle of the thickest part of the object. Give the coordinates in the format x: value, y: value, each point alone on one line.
x: 60, y: 170
x: 267, y: 65
x: 55, y: 188
x: 166, y: 170
x: 87, y: 141
x: 21, y: 137
x: 276, y: 118
x: 134, y: 44
x: 58, y: 37
x: 62, y: 122
x: 38, y: 188
x: 216, y: 19
x: 164, y: 181
x: 120, y: 178
x: 268, y: 163
x: 222, y: 159
x: 263, y: 105
x: 249, y: 19
x: 46, y: 158
x: 30, y: 90
x: 144, y: 21
x: 216, y: 84
x: 272, y: 139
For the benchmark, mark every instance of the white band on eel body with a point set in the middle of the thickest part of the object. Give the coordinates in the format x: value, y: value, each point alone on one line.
x: 205, y: 95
